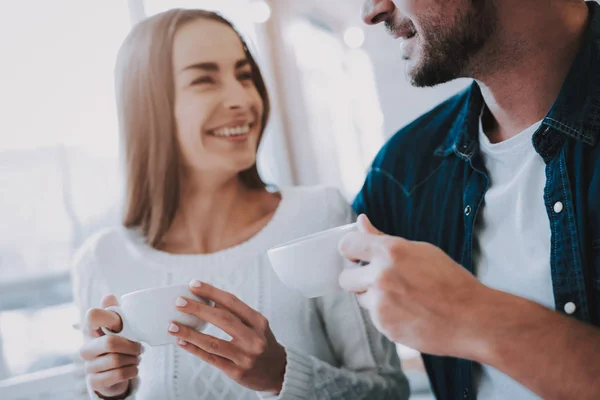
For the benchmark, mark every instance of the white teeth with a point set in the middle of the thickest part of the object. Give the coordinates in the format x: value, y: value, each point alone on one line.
x: 232, y: 131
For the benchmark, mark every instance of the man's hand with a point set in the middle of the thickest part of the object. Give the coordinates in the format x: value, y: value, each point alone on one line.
x: 416, y: 294
x: 419, y: 297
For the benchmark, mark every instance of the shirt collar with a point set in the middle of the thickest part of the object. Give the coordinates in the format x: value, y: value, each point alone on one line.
x: 575, y: 113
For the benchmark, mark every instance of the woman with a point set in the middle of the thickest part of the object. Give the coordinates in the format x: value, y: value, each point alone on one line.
x: 192, y: 108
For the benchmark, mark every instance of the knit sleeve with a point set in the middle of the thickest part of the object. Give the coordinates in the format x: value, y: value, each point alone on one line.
x: 89, y: 286
x: 369, y: 367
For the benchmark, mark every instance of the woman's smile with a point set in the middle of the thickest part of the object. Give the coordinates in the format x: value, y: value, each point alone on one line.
x: 236, y: 132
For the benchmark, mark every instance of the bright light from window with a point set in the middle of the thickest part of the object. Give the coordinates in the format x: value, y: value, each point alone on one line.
x: 57, y: 74
x: 260, y: 12
x: 339, y: 85
x: 58, y: 155
x: 25, y: 346
x: 240, y: 12
x: 354, y: 37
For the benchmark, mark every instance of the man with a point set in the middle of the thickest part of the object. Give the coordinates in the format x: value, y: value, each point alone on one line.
x: 501, y: 181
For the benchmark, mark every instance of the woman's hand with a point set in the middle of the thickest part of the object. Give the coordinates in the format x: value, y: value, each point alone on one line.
x: 253, y: 357
x: 110, y: 361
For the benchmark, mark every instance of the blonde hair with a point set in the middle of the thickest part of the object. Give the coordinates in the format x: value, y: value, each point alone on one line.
x: 145, y: 97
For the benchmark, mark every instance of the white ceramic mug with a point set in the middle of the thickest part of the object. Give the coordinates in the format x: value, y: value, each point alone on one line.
x: 312, y: 264
x: 146, y: 314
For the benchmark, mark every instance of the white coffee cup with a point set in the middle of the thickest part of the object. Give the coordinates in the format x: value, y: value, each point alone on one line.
x: 146, y: 314
x: 312, y: 264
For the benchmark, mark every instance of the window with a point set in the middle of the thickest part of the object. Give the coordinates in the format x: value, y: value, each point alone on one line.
x: 345, y: 123
x: 59, y: 175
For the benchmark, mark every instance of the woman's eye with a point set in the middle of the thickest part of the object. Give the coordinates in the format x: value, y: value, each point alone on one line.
x: 245, y: 76
x: 203, y: 80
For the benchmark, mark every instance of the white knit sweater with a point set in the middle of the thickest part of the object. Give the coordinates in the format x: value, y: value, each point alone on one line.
x: 333, y: 351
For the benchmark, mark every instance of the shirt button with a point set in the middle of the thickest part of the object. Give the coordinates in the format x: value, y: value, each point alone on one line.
x: 558, y: 207
x: 466, y: 394
x: 468, y: 210
x: 570, y: 308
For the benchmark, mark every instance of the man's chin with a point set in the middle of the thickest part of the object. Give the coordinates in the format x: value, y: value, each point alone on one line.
x: 421, y: 75
x: 418, y: 74
x: 414, y: 74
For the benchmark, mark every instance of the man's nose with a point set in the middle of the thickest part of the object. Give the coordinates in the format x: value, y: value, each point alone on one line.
x: 376, y: 11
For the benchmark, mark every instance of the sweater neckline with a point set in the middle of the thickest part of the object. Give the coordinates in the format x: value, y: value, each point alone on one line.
x: 254, y: 246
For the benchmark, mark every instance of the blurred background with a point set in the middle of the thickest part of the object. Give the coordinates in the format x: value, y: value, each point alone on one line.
x: 338, y: 90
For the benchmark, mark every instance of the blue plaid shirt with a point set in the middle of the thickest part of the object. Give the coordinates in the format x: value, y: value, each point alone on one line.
x: 429, y: 181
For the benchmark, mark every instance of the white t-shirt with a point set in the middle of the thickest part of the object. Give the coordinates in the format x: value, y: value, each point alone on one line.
x: 333, y: 351
x: 512, y: 251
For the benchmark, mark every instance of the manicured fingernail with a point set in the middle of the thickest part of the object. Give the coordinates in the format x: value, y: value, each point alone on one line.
x: 173, y: 328
x: 142, y: 350
x: 182, y: 342
x: 195, y: 284
x: 180, y: 302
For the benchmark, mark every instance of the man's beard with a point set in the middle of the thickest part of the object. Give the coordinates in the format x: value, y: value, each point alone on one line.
x: 448, y: 52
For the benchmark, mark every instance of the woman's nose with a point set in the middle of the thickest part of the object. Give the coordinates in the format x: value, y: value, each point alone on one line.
x: 236, y: 97
x: 376, y: 11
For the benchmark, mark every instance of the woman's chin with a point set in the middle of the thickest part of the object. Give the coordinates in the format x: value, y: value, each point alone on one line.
x: 246, y: 166
x: 243, y: 164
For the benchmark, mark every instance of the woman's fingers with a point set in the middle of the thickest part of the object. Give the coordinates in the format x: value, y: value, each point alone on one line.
x: 217, y: 316
x: 109, y: 362
x: 96, y: 318
x: 113, y: 377
x: 109, y: 300
x: 208, y: 343
x: 222, y: 363
x: 228, y: 301
x: 109, y: 344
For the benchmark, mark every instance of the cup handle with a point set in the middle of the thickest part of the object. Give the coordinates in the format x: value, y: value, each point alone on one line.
x: 127, y: 331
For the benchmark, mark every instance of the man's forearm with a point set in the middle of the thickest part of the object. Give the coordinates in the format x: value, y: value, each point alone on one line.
x: 553, y: 355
